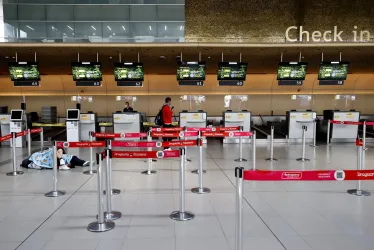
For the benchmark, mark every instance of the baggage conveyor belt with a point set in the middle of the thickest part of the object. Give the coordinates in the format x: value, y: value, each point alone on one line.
x: 265, y: 131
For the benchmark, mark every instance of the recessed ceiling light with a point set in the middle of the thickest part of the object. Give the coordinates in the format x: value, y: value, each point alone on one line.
x: 70, y: 27
x: 150, y: 27
x: 114, y: 34
x: 7, y: 57
x: 166, y: 28
x: 93, y: 27
x: 123, y: 27
x: 109, y: 27
x: 31, y: 28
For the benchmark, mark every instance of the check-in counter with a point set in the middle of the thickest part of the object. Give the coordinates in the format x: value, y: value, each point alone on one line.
x: 236, y: 119
x: 343, y: 132
x: 128, y: 122
x: 296, y: 120
x: 88, y: 122
x: 5, y: 127
x: 193, y: 119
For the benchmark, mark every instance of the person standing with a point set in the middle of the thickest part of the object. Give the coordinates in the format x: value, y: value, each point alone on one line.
x: 167, y: 117
x: 127, y: 107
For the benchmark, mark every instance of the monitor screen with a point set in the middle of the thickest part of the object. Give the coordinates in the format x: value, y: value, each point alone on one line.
x: 87, y: 71
x: 292, y: 71
x: 129, y: 72
x: 73, y: 114
x: 333, y: 71
x: 24, y: 71
x: 232, y: 71
x: 16, y: 115
x: 191, y: 71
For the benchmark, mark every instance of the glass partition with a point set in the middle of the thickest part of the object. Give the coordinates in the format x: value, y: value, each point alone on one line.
x: 192, y: 103
x: 130, y: 99
x: 343, y: 102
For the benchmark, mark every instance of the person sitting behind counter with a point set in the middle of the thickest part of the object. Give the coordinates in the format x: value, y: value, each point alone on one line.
x: 127, y: 107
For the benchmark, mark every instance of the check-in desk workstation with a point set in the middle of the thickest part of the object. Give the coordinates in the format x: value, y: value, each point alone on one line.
x: 88, y: 122
x: 193, y: 119
x: 296, y: 120
x: 5, y: 127
x: 342, y: 132
x: 237, y: 119
x: 128, y: 122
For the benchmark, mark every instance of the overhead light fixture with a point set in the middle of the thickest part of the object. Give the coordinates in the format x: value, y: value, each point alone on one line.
x: 70, y: 27
x: 31, y: 28
x: 114, y: 34
x: 123, y: 27
x: 93, y: 27
x: 109, y: 27
x: 166, y: 28
x: 54, y: 28
x: 93, y: 34
x: 181, y: 27
x: 150, y: 27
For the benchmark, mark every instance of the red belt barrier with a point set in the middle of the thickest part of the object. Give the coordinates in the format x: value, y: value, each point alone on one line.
x: 345, y: 122
x: 36, y: 130
x: 88, y: 144
x: 145, y: 154
x: 227, y: 134
x: 154, y: 144
x: 23, y: 133
x: 369, y: 123
x: 173, y: 129
x: 313, y: 175
x: 165, y: 134
x: 107, y: 135
x: 214, y: 129
x: 134, y: 135
x: 5, y: 137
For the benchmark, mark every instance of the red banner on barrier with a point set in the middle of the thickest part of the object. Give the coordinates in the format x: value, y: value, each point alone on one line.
x: 107, y: 135
x: 345, y: 122
x: 134, y: 135
x: 94, y: 144
x: 165, y: 134
x: 145, y: 154
x: 313, y: 175
x: 214, y: 129
x: 36, y: 130
x: 22, y: 133
x: 369, y: 123
x: 184, y: 143
x: 173, y: 129
x: 5, y: 137
x: 213, y: 134
x: 227, y: 134
x: 153, y: 144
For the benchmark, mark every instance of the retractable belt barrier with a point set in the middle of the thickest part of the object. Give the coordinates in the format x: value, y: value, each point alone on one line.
x: 119, y: 135
x: 155, y: 144
x: 145, y: 154
x: 297, y: 175
x: 208, y: 129
x: 344, y: 123
x: 13, y: 137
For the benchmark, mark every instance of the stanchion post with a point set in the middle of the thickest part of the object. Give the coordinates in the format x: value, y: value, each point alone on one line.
x: 200, y: 149
x: 41, y: 138
x: 101, y: 225
x: 29, y: 142
x: 149, y: 171
x: 91, y: 171
x: 185, y: 138
x: 271, y: 145
x: 254, y: 150
x: 240, y: 159
x: 149, y: 139
x: 55, y: 192
x: 182, y: 214
x: 239, y: 172
x: 314, y: 145
x: 364, y: 135
x: 110, y: 214
x: 328, y: 133
x: 303, y: 150
x: 14, y: 172
x: 114, y: 191
x: 200, y: 189
x: 360, y: 162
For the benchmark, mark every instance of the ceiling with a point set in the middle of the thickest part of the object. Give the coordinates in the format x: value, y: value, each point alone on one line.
x: 262, y: 58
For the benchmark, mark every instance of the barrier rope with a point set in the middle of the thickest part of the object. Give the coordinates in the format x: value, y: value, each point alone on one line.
x: 346, y: 122
x: 119, y: 135
x: 5, y: 137
x: 154, y: 144
x: 145, y: 154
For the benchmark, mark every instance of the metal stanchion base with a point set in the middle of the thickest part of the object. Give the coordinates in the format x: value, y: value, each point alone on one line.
x: 114, y: 191
x: 240, y: 160
x: 313, y: 146
x: 303, y: 159
x: 14, y: 173
x: 55, y: 193
x: 153, y: 160
x: 101, y: 227
x: 188, y: 160
x: 181, y: 216
x: 149, y: 172
x: 114, y: 215
x: 365, y: 148
x: 198, y: 190
x: 90, y: 172
x: 271, y: 159
x: 358, y: 192
x: 196, y: 171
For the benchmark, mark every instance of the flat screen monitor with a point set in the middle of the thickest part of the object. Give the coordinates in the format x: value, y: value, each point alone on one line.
x: 333, y: 71
x: 129, y: 72
x: 24, y: 71
x: 191, y: 71
x: 16, y: 115
x: 73, y: 115
x: 292, y: 71
x: 232, y: 71
x: 87, y: 71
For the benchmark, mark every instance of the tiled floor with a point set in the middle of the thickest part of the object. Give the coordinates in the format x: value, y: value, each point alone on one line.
x: 277, y: 216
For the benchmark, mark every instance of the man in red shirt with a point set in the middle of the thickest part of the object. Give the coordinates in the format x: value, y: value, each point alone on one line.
x: 167, y: 116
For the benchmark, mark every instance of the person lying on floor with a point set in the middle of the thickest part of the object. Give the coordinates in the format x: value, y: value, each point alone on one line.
x: 44, y: 159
